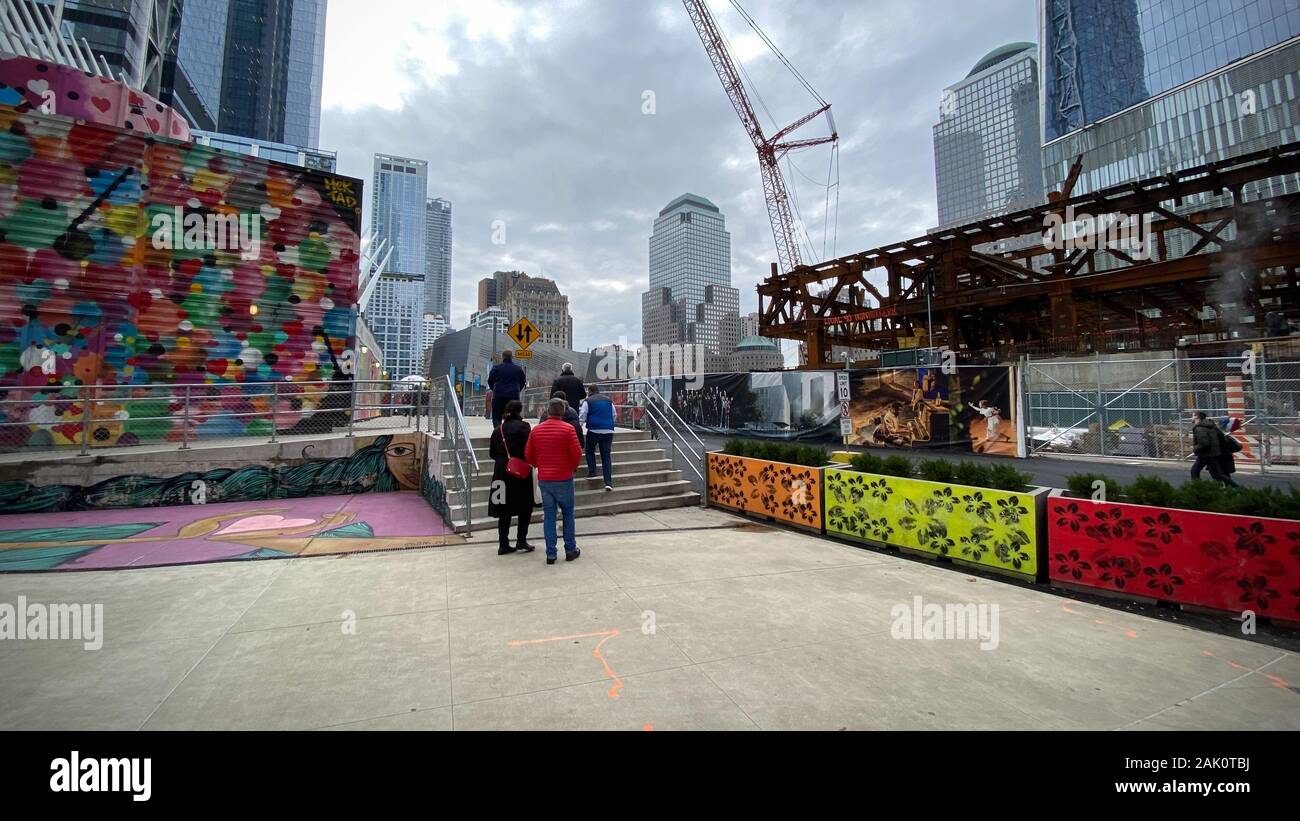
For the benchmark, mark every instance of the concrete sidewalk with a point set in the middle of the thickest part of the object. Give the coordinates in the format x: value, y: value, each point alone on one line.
x: 685, y: 619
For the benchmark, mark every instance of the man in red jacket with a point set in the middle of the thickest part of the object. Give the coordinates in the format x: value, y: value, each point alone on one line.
x: 553, y: 449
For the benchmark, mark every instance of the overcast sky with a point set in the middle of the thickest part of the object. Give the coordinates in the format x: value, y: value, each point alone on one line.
x: 531, y: 112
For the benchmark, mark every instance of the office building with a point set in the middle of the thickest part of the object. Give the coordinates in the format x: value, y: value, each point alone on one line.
x: 1143, y: 89
x: 690, y: 298
x: 986, y: 142
x: 749, y: 325
x: 398, y: 211
x: 539, y: 299
x: 253, y: 68
x: 487, y: 293
x: 437, y: 267
x: 312, y: 158
x: 491, y: 317
x: 138, y: 39
x: 395, y: 315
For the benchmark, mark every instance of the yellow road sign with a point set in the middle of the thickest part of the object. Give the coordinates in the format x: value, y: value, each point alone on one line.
x: 523, y: 354
x: 524, y: 333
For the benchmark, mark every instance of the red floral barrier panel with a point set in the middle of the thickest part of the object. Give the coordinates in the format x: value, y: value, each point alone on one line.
x: 1227, y: 562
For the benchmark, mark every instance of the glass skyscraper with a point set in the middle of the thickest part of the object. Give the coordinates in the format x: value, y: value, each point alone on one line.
x: 397, y: 211
x: 986, y: 158
x: 690, y: 250
x: 1141, y: 88
x: 253, y: 68
x: 437, y: 270
x: 1103, y: 56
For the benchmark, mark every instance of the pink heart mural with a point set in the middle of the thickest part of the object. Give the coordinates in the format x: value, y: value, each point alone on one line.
x: 265, y: 522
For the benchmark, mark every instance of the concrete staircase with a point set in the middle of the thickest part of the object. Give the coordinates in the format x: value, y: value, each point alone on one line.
x: 644, y: 479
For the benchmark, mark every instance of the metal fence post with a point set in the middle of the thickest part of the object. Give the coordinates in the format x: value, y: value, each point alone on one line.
x: 1259, y: 387
x: 185, y: 420
x: 275, y: 401
x: 85, y: 424
x: 1101, y: 410
x: 352, y: 414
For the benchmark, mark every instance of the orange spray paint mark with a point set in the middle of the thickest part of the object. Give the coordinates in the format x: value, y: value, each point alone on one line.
x: 605, y: 635
x: 1276, y: 681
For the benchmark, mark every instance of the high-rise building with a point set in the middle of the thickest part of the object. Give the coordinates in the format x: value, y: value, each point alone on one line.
x: 395, y: 315
x: 750, y: 325
x: 716, y: 324
x: 540, y: 300
x: 313, y: 158
x: 1141, y: 89
x: 437, y: 268
x: 491, y: 317
x: 252, y: 68
x: 986, y: 142
x: 487, y: 293
x: 690, y: 250
x: 398, y: 211
x: 137, y: 38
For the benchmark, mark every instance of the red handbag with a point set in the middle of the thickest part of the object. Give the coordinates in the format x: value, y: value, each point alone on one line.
x: 515, y: 466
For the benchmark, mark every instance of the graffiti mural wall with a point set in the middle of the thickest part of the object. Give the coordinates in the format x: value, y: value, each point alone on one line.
x: 105, y: 539
x: 51, y: 88
x: 128, y: 262
x: 378, y: 465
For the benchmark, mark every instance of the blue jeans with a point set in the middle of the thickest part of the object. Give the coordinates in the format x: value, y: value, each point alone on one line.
x: 603, y: 441
x: 558, y: 494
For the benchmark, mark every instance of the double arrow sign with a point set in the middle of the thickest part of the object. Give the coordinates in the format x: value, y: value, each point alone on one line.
x: 524, y: 333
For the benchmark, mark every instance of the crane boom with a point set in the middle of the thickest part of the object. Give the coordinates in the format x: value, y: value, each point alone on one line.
x: 769, y: 150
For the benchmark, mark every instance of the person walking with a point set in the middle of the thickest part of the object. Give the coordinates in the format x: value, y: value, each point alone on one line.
x: 553, y: 449
x: 506, y: 380
x: 570, y: 385
x: 598, y: 415
x: 511, y: 492
x: 1208, y: 447
x: 1229, y: 445
x: 570, y: 415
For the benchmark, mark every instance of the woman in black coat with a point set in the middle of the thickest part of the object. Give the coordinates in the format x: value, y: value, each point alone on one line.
x: 508, y: 496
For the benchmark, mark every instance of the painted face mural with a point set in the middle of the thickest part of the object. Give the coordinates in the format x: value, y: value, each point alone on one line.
x: 130, y: 262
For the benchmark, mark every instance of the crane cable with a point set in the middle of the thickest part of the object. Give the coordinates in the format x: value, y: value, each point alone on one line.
x: 763, y: 36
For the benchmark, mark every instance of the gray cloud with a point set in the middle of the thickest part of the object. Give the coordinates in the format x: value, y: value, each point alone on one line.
x: 548, y: 135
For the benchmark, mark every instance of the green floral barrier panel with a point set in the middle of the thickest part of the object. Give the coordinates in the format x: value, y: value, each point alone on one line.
x: 996, y: 529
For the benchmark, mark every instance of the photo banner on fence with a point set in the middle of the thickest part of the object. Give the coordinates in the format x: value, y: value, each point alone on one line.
x: 972, y: 409
x: 776, y: 405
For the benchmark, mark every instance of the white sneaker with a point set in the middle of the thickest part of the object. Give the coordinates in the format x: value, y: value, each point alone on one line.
x: 608, y: 488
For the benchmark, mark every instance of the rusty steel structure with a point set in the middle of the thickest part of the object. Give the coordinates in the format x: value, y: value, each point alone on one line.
x: 1226, y: 268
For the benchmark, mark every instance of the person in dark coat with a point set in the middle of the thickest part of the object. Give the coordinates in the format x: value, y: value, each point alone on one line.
x: 1229, y: 445
x: 508, y: 496
x: 571, y: 386
x: 506, y: 381
x: 1208, y: 446
x: 570, y: 416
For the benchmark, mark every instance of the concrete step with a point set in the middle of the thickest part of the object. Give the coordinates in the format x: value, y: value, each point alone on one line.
x: 630, y: 449
x: 484, y: 475
x: 619, y: 436
x: 481, y: 523
x: 585, y: 498
x: 482, y: 488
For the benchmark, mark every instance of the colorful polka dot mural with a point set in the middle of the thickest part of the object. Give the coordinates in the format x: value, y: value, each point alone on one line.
x: 145, y: 267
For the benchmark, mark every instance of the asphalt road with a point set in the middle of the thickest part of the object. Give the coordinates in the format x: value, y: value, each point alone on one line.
x: 1052, y: 471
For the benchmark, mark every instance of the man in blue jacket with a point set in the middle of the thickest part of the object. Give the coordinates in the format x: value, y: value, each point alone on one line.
x: 597, y: 413
x: 506, y: 381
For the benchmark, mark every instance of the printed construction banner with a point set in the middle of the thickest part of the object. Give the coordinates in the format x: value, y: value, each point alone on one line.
x: 777, y: 405
x: 971, y: 410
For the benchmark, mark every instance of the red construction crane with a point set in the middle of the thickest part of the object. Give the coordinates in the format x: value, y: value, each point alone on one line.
x: 770, y: 149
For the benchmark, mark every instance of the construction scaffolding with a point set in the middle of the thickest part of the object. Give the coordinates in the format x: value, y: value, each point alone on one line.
x: 1129, y: 267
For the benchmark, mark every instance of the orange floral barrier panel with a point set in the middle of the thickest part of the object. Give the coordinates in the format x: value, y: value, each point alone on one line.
x: 772, y: 490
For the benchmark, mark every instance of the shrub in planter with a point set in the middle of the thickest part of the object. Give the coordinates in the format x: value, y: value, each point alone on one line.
x: 774, y: 480
x: 1081, y: 484
x: 1209, y: 546
x: 996, y: 529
